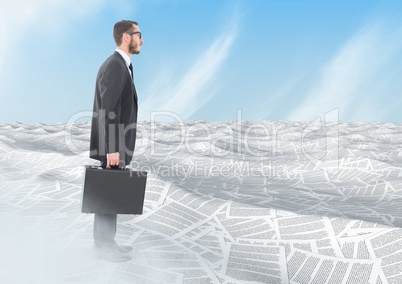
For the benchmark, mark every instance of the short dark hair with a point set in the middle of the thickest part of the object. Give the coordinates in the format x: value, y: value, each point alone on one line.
x: 120, y: 28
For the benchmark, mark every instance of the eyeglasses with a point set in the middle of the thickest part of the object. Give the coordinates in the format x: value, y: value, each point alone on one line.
x: 133, y: 33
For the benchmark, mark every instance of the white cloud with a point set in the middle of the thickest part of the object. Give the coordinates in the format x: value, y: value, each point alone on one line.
x: 345, y: 78
x: 3, y: 45
x: 277, y: 97
x: 18, y: 15
x: 19, y: 18
x: 186, y: 94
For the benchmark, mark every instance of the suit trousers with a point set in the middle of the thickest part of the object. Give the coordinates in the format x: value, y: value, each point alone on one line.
x: 105, y: 228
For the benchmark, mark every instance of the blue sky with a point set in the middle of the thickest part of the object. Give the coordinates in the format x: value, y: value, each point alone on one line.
x: 207, y: 59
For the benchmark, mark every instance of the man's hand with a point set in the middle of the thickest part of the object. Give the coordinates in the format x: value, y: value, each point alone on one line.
x: 113, y: 159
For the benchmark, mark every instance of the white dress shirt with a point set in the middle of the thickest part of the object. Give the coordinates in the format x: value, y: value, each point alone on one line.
x: 126, y: 59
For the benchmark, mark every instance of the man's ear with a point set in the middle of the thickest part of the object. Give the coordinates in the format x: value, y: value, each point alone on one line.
x: 125, y: 37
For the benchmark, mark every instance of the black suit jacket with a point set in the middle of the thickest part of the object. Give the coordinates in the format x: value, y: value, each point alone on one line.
x: 115, y: 112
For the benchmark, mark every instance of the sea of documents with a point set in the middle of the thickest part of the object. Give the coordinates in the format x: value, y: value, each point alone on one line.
x: 226, y: 202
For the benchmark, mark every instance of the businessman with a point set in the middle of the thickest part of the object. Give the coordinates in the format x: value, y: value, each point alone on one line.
x: 113, y: 130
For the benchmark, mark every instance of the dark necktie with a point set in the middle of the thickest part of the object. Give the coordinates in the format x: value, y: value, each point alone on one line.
x: 131, y: 69
x: 132, y: 76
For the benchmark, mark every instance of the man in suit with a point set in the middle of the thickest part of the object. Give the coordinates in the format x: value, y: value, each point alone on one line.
x: 113, y: 130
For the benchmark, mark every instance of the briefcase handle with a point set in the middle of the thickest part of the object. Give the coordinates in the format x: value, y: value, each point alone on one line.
x: 115, y: 168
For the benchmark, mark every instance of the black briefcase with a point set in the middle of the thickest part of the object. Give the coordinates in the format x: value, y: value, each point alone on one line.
x: 113, y: 191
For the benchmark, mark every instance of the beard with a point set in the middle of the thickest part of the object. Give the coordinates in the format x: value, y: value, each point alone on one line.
x: 133, y: 48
